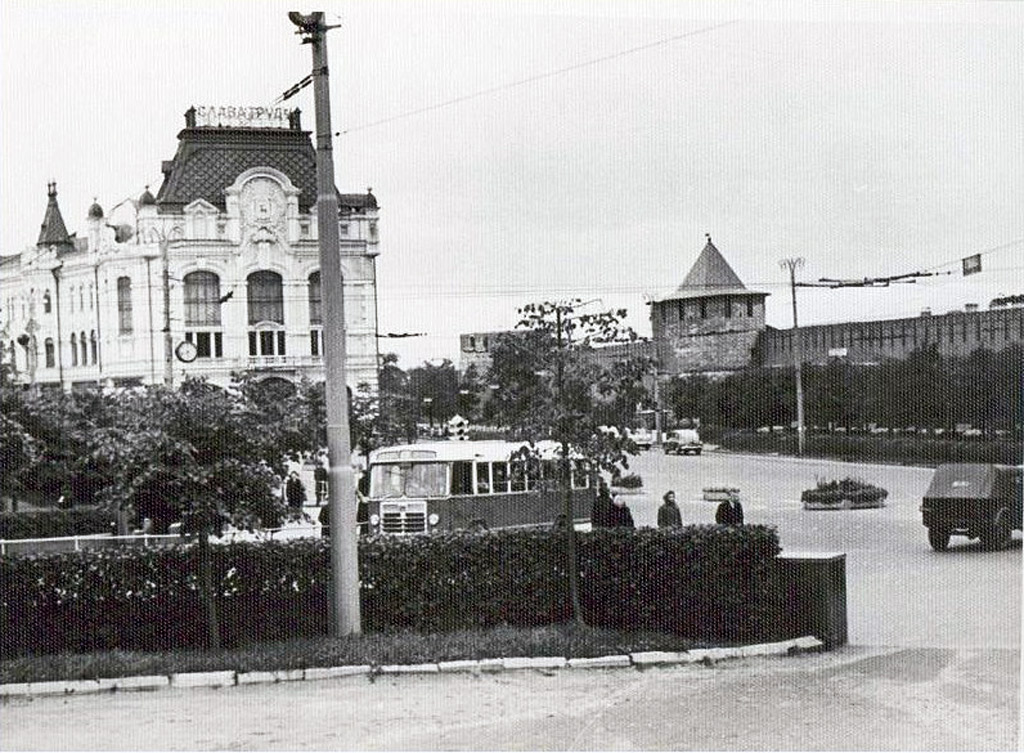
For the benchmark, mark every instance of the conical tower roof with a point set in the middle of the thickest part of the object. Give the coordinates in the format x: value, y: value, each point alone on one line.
x: 710, y: 275
x: 53, y: 231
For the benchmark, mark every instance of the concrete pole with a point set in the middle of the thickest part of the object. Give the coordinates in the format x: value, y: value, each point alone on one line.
x: 794, y: 264
x: 341, y: 481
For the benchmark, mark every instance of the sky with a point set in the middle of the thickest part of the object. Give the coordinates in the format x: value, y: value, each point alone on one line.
x: 555, y: 149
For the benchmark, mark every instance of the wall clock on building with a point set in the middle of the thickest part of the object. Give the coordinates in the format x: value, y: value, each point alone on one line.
x: 186, y: 351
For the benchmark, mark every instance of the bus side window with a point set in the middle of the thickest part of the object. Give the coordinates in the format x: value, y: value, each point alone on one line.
x: 518, y: 469
x: 500, y: 477
x: 580, y: 475
x: 462, y: 477
x: 483, y: 478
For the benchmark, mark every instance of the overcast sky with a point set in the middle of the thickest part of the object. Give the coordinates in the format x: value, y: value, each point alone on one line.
x: 870, y: 139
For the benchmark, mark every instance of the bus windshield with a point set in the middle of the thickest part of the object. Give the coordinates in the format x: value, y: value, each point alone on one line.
x: 393, y: 480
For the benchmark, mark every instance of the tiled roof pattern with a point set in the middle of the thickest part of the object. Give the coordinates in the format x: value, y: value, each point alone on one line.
x: 210, y: 159
x: 53, y: 231
x: 710, y: 275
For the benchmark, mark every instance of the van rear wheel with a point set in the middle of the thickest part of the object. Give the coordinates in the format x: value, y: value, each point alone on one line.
x: 938, y: 537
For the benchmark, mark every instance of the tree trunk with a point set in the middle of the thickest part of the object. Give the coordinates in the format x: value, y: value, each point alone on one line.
x: 209, y: 596
x: 573, y: 566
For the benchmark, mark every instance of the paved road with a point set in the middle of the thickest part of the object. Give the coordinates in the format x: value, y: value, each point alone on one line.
x: 934, y: 660
x: 899, y: 592
x: 852, y: 699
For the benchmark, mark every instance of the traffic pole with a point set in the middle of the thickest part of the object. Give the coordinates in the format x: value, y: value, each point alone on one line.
x: 340, y: 478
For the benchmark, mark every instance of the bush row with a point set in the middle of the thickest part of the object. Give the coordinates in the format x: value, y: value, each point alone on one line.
x: 700, y: 582
x: 917, y: 450
x: 51, y: 523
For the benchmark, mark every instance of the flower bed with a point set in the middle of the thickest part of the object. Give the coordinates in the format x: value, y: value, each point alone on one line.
x: 846, y: 494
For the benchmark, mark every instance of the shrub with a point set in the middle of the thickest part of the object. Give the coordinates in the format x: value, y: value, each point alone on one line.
x: 52, y: 523
x: 629, y: 481
x: 701, y: 582
x: 837, y: 491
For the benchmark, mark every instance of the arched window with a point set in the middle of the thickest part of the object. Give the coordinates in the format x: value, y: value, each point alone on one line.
x: 93, y: 346
x: 315, y: 315
x: 202, y: 299
x: 84, y: 345
x: 92, y: 296
x: 74, y: 349
x: 316, y: 345
x: 50, y: 353
x: 124, y: 305
x: 81, y: 297
x: 266, y: 301
x: 47, y: 304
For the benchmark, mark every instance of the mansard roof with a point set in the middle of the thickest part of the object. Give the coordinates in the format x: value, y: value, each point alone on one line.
x: 710, y: 275
x: 53, y: 231
x: 209, y: 159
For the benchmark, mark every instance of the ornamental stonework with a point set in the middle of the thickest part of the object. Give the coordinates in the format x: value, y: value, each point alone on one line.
x: 262, y: 208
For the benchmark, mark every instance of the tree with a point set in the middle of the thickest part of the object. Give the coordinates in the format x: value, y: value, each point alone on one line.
x: 550, y: 386
x: 200, y: 455
x: 18, y: 453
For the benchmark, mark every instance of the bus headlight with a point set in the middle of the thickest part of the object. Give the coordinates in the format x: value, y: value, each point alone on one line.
x: 374, y: 519
x: 434, y: 519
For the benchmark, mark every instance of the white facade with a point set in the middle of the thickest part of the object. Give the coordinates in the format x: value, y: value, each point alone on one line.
x: 91, y: 310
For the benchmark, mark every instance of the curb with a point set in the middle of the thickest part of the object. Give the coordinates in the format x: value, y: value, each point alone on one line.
x: 228, y: 678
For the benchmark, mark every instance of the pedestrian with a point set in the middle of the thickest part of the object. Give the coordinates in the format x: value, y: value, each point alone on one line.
x: 320, y: 481
x: 619, y: 515
x: 668, y: 514
x: 602, y: 507
x: 324, y: 519
x: 294, y: 491
x: 730, y: 512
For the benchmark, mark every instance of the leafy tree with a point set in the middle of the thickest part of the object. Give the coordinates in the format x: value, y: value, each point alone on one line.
x: 201, y: 455
x: 551, y: 386
x: 18, y: 453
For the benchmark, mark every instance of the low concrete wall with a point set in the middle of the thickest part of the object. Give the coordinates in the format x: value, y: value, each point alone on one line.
x: 811, y: 593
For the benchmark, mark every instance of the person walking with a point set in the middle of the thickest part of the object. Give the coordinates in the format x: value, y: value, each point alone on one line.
x: 730, y: 512
x: 294, y: 491
x: 619, y: 515
x: 668, y: 514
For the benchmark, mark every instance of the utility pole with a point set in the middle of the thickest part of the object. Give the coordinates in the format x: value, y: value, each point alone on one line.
x: 341, y: 481
x: 793, y: 264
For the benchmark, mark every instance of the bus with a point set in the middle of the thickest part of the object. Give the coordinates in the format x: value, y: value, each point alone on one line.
x: 475, y: 485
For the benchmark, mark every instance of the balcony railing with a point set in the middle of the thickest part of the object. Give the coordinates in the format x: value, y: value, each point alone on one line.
x: 284, y: 362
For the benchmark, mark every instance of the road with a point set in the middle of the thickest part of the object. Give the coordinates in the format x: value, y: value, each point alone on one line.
x: 934, y: 660
x: 899, y: 592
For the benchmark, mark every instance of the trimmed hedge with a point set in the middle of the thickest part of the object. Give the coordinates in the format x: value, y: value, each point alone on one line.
x: 53, y: 523
x: 894, y: 449
x: 700, y: 582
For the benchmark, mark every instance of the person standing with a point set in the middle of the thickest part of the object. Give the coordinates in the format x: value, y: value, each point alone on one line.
x: 294, y: 491
x: 730, y: 512
x: 668, y: 514
x: 619, y: 515
x: 602, y: 507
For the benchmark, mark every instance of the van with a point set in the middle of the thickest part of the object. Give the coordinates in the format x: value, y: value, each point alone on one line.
x: 976, y: 500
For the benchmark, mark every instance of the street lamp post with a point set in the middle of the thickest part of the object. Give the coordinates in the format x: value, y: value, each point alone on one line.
x: 793, y: 264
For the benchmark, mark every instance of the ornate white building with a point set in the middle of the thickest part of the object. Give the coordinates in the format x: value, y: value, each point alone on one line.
x: 219, y: 272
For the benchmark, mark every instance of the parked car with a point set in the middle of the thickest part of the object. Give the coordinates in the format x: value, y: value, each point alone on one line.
x: 642, y: 438
x: 977, y: 500
x: 682, y: 442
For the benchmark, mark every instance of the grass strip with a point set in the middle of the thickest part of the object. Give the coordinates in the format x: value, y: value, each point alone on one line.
x: 375, y: 649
